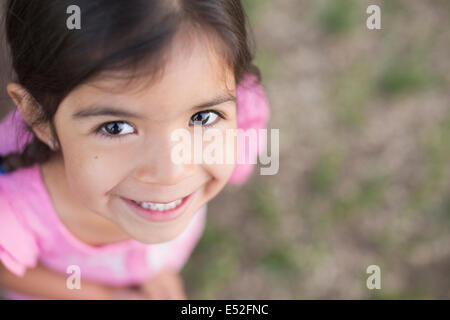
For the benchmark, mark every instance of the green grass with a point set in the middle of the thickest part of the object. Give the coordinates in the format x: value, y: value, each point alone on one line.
x: 442, y: 211
x: 435, y: 145
x: 265, y: 60
x: 438, y: 150
x: 351, y: 92
x: 368, y: 195
x: 405, y: 73
x: 391, y: 7
x: 280, y: 261
x: 410, y: 294
x: 337, y: 16
x: 263, y: 205
x: 218, y: 255
x: 253, y: 8
x: 325, y: 173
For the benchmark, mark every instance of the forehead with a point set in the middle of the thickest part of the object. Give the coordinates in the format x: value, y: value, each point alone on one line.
x: 194, y: 71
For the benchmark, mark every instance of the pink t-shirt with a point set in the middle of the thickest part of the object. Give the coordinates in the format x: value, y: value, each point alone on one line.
x: 31, y: 232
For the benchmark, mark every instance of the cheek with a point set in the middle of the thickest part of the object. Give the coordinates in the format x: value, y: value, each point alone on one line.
x: 91, y: 176
x: 227, y: 144
x: 220, y: 172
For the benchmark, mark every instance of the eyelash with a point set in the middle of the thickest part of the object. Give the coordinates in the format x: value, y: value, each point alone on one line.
x: 101, y: 133
x: 218, y: 113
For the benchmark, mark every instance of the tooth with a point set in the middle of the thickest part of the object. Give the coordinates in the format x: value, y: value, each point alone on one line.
x: 159, y: 206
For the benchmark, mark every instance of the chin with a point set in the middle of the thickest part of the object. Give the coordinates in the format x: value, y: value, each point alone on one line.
x: 157, y: 235
x: 161, y: 238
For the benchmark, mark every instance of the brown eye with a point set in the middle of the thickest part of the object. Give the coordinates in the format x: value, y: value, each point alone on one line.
x: 206, y: 118
x: 114, y: 128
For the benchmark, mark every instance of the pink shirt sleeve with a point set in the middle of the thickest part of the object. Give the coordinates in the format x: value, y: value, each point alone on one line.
x: 252, y: 113
x: 13, y: 133
x: 18, y: 248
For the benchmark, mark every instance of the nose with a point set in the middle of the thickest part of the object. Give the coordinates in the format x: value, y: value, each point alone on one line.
x: 157, y: 166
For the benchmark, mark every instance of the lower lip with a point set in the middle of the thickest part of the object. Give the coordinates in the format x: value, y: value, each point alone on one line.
x: 160, y: 216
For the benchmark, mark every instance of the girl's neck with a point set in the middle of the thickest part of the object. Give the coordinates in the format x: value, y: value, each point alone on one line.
x: 84, y: 224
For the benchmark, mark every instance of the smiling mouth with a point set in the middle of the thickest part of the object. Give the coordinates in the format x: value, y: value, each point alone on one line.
x: 160, y: 206
x: 160, y: 212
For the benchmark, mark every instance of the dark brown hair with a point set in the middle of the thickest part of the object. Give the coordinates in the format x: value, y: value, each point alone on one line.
x: 49, y: 60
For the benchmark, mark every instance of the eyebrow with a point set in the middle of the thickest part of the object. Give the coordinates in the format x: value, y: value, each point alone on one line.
x: 104, y: 110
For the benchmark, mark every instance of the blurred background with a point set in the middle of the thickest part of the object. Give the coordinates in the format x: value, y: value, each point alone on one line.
x: 364, y: 179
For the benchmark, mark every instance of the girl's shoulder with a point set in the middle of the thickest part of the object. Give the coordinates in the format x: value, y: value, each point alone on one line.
x: 18, y: 243
x: 13, y: 133
x: 252, y: 113
x: 252, y: 104
x: 19, y: 248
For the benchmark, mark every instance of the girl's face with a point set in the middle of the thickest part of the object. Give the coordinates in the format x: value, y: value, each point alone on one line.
x: 109, y: 159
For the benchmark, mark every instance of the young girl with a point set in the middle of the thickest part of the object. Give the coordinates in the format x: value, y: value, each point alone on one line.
x: 91, y: 205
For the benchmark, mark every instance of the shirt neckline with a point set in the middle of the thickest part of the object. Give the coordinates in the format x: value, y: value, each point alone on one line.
x: 66, y: 232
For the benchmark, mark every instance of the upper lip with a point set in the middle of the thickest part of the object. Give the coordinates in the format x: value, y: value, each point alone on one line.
x: 162, y: 201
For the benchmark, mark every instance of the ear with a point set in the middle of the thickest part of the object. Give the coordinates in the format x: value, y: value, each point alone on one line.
x: 28, y: 107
